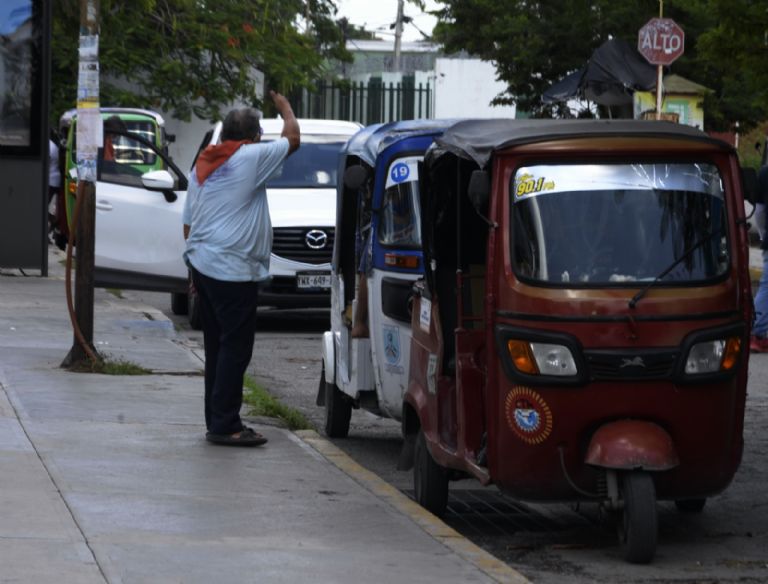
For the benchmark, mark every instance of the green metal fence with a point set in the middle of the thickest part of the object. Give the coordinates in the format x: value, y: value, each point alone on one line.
x: 367, y: 103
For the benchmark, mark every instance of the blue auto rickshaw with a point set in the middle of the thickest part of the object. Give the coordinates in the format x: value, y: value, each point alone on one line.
x: 376, y: 258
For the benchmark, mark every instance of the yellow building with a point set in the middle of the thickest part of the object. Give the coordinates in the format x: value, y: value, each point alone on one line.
x: 681, y: 98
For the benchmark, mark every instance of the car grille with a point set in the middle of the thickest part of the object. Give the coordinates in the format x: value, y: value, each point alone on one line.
x: 291, y: 243
x: 631, y: 365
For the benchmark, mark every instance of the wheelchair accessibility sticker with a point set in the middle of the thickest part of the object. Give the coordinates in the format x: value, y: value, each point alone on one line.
x: 392, y: 344
x: 432, y: 373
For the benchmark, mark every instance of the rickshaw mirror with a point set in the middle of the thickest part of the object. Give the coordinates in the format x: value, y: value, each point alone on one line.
x: 479, y: 190
x: 749, y: 182
x: 355, y: 176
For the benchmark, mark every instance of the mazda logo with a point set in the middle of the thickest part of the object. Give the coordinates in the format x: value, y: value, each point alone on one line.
x: 316, y: 239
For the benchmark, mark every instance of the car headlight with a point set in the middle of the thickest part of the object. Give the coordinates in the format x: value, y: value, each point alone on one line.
x: 542, y: 358
x: 714, y: 356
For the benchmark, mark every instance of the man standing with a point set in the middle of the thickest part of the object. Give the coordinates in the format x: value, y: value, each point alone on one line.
x: 229, y: 242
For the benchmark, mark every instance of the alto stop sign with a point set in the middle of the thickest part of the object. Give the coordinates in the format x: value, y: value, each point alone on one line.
x: 661, y: 41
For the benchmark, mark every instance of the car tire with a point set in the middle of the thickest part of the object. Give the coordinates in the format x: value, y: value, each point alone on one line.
x: 179, y: 303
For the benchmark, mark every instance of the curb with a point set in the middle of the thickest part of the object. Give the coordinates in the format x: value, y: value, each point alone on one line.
x: 450, y: 538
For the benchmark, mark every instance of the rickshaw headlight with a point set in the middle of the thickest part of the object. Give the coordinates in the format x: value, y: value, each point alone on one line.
x: 713, y: 356
x: 554, y: 359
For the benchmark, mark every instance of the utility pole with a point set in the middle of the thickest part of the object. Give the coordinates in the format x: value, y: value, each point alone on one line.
x: 398, y: 34
x: 89, y: 139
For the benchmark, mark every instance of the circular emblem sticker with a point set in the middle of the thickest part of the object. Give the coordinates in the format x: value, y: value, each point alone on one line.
x: 528, y: 415
x: 400, y: 172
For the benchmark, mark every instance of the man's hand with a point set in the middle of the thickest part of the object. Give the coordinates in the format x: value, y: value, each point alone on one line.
x: 290, y: 125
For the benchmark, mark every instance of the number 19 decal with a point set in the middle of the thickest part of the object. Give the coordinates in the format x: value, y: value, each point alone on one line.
x: 400, y: 172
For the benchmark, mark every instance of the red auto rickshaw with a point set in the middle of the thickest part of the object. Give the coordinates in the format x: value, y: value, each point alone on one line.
x: 581, y: 333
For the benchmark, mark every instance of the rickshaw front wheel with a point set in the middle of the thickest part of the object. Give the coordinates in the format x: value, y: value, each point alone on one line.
x: 430, y: 480
x: 638, y: 529
x: 338, y: 411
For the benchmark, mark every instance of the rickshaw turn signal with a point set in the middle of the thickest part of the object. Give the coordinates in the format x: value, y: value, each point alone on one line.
x: 401, y: 261
x: 713, y: 356
x: 541, y: 358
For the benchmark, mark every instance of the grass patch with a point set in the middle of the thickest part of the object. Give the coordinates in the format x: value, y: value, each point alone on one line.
x: 116, y: 292
x: 263, y: 404
x: 109, y: 366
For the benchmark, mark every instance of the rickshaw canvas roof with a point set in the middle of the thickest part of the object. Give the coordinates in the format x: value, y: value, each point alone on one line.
x: 477, y: 140
x: 369, y: 142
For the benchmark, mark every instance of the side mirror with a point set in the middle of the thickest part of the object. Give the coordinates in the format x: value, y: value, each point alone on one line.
x: 355, y: 176
x: 479, y: 190
x: 160, y: 180
x: 749, y: 184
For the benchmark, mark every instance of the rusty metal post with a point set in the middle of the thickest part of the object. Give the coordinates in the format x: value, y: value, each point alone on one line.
x: 89, y: 138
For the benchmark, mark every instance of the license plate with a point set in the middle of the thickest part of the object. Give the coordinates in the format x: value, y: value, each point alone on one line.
x: 315, y: 280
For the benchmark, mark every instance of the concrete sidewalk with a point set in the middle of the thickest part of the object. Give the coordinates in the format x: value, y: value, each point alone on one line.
x: 109, y: 479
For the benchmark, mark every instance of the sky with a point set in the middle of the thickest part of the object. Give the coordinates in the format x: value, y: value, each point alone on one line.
x: 377, y: 15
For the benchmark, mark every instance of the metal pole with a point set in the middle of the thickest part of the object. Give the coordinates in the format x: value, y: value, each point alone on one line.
x: 89, y: 138
x: 659, y: 72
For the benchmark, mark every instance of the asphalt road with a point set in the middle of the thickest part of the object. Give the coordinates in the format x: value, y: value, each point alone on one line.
x: 550, y: 544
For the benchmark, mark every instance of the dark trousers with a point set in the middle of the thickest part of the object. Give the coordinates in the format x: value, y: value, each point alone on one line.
x: 228, y: 314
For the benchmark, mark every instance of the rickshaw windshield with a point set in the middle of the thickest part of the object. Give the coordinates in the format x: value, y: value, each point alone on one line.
x: 400, y: 222
x: 126, y: 150
x: 613, y: 224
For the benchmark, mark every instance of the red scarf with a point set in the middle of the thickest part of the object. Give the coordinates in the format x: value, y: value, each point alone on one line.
x: 214, y: 156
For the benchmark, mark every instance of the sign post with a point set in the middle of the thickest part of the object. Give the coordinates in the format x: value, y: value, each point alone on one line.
x: 661, y: 41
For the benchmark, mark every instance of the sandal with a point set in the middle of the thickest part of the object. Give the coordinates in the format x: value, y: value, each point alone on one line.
x: 246, y: 437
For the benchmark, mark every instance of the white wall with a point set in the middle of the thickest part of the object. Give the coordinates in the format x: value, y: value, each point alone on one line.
x: 189, y: 136
x: 464, y: 88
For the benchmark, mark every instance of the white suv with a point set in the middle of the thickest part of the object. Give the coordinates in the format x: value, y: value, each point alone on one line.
x: 302, y: 207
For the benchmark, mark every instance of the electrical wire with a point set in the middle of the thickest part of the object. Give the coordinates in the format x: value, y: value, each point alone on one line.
x: 68, y: 276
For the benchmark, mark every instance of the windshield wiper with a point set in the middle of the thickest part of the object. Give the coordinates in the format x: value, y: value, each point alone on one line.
x: 636, y: 298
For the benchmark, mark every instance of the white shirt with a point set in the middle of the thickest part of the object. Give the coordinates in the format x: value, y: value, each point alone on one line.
x: 230, y: 235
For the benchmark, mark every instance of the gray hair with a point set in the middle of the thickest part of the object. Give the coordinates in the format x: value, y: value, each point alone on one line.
x: 241, y: 124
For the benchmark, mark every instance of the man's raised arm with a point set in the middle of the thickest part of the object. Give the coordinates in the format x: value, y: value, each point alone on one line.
x: 290, y: 125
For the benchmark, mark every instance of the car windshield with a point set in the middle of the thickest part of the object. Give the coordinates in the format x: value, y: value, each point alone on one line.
x: 313, y: 166
x: 613, y: 224
x: 399, y: 223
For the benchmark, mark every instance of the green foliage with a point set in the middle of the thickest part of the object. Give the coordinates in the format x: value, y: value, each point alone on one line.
x: 109, y: 366
x: 195, y: 56
x: 733, y: 56
x: 535, y: 44
x: 263, y: 404
x: 751, y: 146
